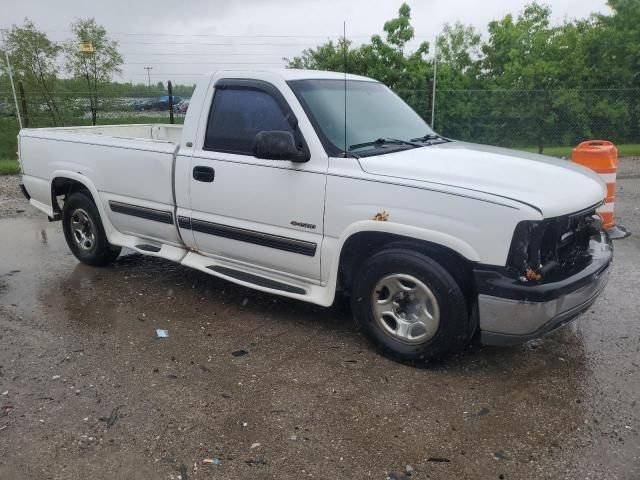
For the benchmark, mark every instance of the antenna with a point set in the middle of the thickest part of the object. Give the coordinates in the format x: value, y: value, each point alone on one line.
x: 344, y: 51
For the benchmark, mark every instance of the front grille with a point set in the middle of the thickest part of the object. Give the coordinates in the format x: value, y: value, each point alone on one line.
x: 554, y: 248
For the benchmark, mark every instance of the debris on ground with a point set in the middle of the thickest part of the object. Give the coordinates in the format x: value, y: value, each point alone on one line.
x: 254, y: 445
x: 500, y: 455
x: 111, y: 419
x: 211, y: 461
x: 483, y: 411
x: 397, y: 476
x: 408, y: 469
x: 160, y: 333
x: 183, y: 472
x: 239, y: 353
x: 438, y: 460
x: 255, y: 461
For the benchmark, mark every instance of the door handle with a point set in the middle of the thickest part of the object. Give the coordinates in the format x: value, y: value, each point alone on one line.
x: 204, y: 174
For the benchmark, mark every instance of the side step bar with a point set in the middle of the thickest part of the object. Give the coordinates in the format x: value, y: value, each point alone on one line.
x: 148, y: 248
x: 257, y: 280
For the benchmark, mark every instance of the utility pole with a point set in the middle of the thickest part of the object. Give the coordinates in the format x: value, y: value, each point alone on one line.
x: 435, y: 73
x: 148, y: 69
x: 13, y: 87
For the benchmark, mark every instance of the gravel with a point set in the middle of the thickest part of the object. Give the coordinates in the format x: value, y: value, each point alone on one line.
x: 12, y: 202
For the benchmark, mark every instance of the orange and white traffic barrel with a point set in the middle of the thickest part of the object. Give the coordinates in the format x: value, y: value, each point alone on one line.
x: 601, y: 156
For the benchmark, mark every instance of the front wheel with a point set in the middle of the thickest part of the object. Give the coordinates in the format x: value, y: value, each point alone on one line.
x: 409, y: 306
x: 84, y: 232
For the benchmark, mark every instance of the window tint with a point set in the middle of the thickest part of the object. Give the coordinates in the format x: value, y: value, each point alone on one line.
x: 237, y: 115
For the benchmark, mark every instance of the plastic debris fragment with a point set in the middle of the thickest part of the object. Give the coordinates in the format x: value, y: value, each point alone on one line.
x: 160, y: 333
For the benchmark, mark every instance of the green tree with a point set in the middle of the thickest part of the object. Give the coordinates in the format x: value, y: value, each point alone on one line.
x: 382, y: 58
x: 459, y: 48
x: 93, y: 57
x: 33, y: 59
x: 459, y: 109
x: 329, y: 56
x: 533, y: 63
x: 613, y: 46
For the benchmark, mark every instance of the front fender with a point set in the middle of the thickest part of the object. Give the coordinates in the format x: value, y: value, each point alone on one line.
x: 332, y: 248
x: 457, y: 245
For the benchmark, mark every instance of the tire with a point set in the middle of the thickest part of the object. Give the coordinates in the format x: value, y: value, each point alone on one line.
x: 84, y: 232
x: 393, y: 295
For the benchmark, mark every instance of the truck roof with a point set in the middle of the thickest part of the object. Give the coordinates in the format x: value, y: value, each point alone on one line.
x: 300, y: 74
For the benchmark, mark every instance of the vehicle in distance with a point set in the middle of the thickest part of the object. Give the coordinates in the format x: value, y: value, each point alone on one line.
x: 433, y: 240
x: 159, y: 104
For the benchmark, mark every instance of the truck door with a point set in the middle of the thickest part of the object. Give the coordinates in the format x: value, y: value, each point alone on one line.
x: 268, y: 213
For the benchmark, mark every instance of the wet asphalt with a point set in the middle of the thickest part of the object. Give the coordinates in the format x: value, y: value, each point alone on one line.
x: 275, y: 388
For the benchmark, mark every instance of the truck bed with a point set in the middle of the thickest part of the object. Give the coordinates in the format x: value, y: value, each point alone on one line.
x: 150, y: 131
x: 130, y: 164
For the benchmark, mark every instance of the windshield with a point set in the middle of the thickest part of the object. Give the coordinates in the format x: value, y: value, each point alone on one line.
x: 373, y: 112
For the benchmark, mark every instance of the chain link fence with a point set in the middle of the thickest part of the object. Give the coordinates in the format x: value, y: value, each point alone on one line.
x: 533, y: 118
x: 511, y: 118
x: 74, y: 109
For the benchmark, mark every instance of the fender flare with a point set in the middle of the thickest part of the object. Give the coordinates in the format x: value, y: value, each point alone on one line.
x: 455, y: 244
x: 109, y: 229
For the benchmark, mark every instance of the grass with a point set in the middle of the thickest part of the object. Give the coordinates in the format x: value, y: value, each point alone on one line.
x: 624, y: 150
x: 9, y: 167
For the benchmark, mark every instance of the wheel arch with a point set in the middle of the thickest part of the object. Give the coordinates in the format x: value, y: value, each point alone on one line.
x: 64, y: 182
x: 362, y: 244
x: 65, y: 185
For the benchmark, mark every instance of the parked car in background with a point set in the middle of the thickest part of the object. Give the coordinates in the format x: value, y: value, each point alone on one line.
x: 181, y: 108
x: 159, y: 104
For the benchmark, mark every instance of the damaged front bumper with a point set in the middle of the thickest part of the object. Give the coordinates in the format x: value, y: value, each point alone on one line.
x: 513, y: 312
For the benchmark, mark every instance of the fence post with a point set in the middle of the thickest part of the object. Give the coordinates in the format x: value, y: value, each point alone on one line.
x: 170, y: 88
x: 23, y: 102
x: 429, y: 98
x: 435, y: 79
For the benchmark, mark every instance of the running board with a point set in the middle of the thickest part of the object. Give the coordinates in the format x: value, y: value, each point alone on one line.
x: 149, y: 248
x: 257, y: 280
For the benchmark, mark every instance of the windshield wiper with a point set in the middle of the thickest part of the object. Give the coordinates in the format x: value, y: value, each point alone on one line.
x: 384, y: 141
x: 428, y: 137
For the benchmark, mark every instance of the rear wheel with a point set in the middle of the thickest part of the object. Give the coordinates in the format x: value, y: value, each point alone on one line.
x: 84, y: 232
x: 409, y: 306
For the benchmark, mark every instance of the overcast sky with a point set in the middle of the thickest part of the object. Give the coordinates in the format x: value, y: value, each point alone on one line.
x: 206, y: 35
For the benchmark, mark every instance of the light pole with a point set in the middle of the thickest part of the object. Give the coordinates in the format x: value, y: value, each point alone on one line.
x: 148, y: 69
x: 13, y: 87
x: 87, y: 48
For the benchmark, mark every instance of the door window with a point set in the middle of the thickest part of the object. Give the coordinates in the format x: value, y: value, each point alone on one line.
x: 237, y: 115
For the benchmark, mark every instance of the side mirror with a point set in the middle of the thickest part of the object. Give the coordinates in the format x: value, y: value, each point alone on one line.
x: 277, y: 145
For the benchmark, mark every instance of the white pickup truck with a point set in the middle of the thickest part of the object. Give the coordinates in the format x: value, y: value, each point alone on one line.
x: 434, y: 240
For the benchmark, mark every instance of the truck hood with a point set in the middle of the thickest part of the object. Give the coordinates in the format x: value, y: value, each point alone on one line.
x: 553, y: 186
